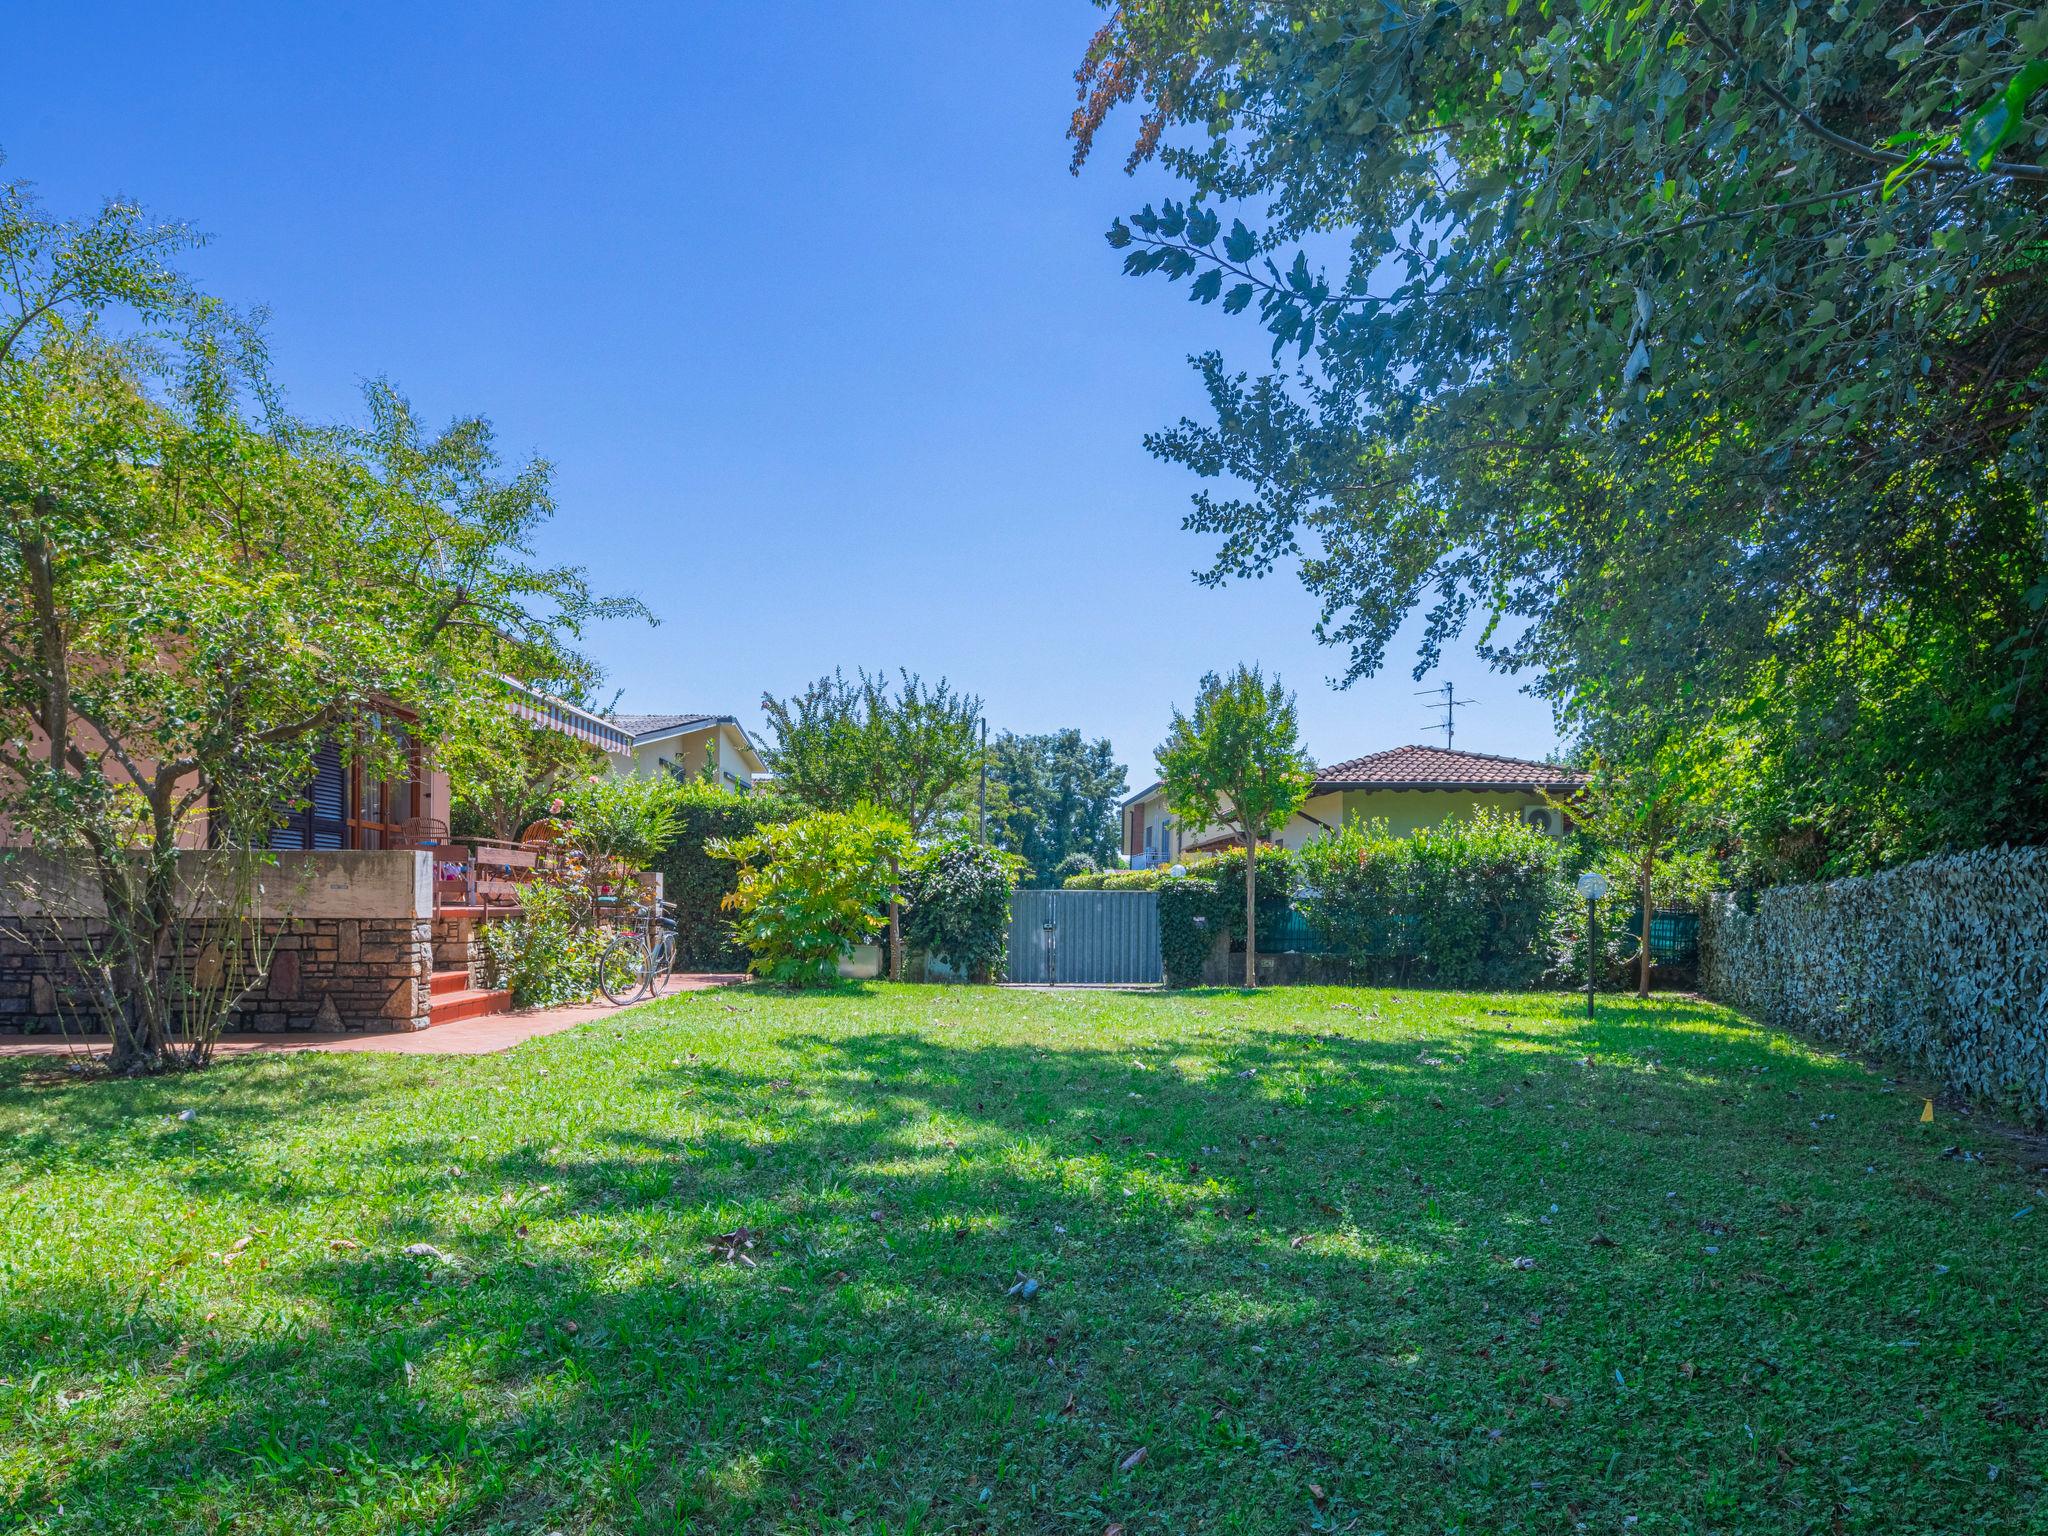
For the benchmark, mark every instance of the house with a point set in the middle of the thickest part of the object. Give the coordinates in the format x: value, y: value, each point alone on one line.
x: 1407, y: 787
x: 715, y: 748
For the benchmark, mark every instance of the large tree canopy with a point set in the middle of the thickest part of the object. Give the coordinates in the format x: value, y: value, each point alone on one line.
x: 1054, y: 796
x: 196, y: 588
x: 1687, y: 351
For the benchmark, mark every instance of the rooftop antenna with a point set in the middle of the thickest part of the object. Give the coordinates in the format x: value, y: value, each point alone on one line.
x: 1447, y: 699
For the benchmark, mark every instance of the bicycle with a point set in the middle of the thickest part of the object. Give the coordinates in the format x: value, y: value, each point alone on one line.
x: 638, y: 961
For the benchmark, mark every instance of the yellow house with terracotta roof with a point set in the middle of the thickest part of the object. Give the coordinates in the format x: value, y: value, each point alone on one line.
x: 1409, y: 788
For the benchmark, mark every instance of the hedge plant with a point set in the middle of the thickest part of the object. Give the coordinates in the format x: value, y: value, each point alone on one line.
x: 698, y: 883
x: 958, y: 898
x: 1469, y: 903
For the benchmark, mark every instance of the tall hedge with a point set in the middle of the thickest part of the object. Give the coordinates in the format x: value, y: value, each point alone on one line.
x: 1468, y: 903
x: 1943, y: 963
x: 698, y: 884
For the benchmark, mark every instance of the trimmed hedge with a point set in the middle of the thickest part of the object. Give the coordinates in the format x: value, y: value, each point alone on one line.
x: 698, y: 884
x: 1943, y: 964
x: 1468, y: 903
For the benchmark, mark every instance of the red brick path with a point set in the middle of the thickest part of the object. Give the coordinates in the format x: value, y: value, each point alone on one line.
x: 464, y: 1037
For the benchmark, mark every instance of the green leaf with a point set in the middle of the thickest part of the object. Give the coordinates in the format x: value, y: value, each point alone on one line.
x: 1235, y: 301
x: 1242, y: 245
x: 1207, y: 286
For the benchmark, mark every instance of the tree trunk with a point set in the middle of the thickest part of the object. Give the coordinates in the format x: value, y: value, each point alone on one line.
x: 895, y: 922
x: 1251, y: 911
x: 1643, y: 970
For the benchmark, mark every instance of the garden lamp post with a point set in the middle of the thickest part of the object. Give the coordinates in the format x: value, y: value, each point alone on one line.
x: 1592, y: 886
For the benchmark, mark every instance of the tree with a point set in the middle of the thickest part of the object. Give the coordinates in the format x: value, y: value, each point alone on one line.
x: 907, y: 748
x: 503, y: 772
x: 199, y: 588
x: 1689, y: 350
x: 1644, y: 802
x: 1237, y: 762
x: 1055, y: 797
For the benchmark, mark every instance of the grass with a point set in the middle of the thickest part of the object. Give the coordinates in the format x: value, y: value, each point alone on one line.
x: 1330, y: 1260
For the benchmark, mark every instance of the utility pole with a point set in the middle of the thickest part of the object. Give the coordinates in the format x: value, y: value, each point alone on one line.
x: 1447, y: 698
x: 983, y: 834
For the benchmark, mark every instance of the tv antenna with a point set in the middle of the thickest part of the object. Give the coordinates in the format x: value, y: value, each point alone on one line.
x: 1447, y: 699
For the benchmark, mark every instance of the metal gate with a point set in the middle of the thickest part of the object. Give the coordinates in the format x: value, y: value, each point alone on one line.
x: 1085, y: 938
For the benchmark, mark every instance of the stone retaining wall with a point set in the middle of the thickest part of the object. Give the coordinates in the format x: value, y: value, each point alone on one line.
x: 350, y: 939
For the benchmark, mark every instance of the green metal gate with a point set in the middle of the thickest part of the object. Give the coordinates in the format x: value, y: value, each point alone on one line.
x: 1085, y: 938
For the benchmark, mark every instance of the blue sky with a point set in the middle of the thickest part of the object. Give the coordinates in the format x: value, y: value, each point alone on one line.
x: 800, y: 299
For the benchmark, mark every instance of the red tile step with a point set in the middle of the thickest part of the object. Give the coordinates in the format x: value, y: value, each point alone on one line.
x: 451, y: 997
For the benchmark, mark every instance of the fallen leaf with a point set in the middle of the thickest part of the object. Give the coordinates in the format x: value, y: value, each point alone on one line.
x: 1553, y: 1400
x: 343, y: 1244
x: 734, y: 1246
x: 1130, y: 1462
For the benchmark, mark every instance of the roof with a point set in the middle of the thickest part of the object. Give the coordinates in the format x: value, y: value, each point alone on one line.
x: 646, y: 728
x: 1144, y: 794
x: 638, y: 726
x: 1442, y: 768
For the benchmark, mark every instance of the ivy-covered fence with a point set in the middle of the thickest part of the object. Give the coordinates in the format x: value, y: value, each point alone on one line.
x: 1943, y: 963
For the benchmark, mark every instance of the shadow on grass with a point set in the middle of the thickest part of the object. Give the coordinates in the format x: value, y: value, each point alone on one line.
x: 1288, y: 1263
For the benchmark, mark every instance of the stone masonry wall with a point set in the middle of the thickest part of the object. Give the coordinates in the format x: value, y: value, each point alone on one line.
x: 330, y: 973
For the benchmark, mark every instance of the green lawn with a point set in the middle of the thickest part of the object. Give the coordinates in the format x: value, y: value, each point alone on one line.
x: 1311, y: 1260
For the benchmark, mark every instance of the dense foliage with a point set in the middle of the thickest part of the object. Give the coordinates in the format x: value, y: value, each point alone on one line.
x: 1236, y: 761
x: 811, y: 889
x: 698, y: 882
x: 1209, y: 901
x: 200, y: 589
x: 547, y: 954
x: 1689, y: 351
x: 623, y: 821
x: 504, y: 773
x: 908, y: 748
x: 1466, y: 903
x: 1054, y: 799
x: 958, y: 897
x: 1941, y: 963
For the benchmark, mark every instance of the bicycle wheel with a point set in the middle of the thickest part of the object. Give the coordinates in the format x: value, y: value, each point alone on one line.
x: 622, y: 968
x: 664, y: 962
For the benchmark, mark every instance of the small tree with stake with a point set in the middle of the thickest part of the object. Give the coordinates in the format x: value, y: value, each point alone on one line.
x: 1237, y: 762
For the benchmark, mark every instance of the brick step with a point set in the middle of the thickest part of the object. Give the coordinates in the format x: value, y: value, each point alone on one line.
x: 469, y: 1003
x: 444, y: 982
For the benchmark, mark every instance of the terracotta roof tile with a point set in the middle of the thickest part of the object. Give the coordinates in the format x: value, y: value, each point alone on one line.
x: 1442, y: 768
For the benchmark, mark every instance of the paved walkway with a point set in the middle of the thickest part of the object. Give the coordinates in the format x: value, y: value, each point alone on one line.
x: 465, y: 1037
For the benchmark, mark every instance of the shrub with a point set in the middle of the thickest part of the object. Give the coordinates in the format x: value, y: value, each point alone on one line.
x: 622, y: 819
x: 1117, y: 880
x: 1470, y: 903
x: 1190, y: 910
x: 545, y: 956
x: 811, y: 889
x: 958, y: 895
x: 1074, y: 864
x: 698, y: 883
